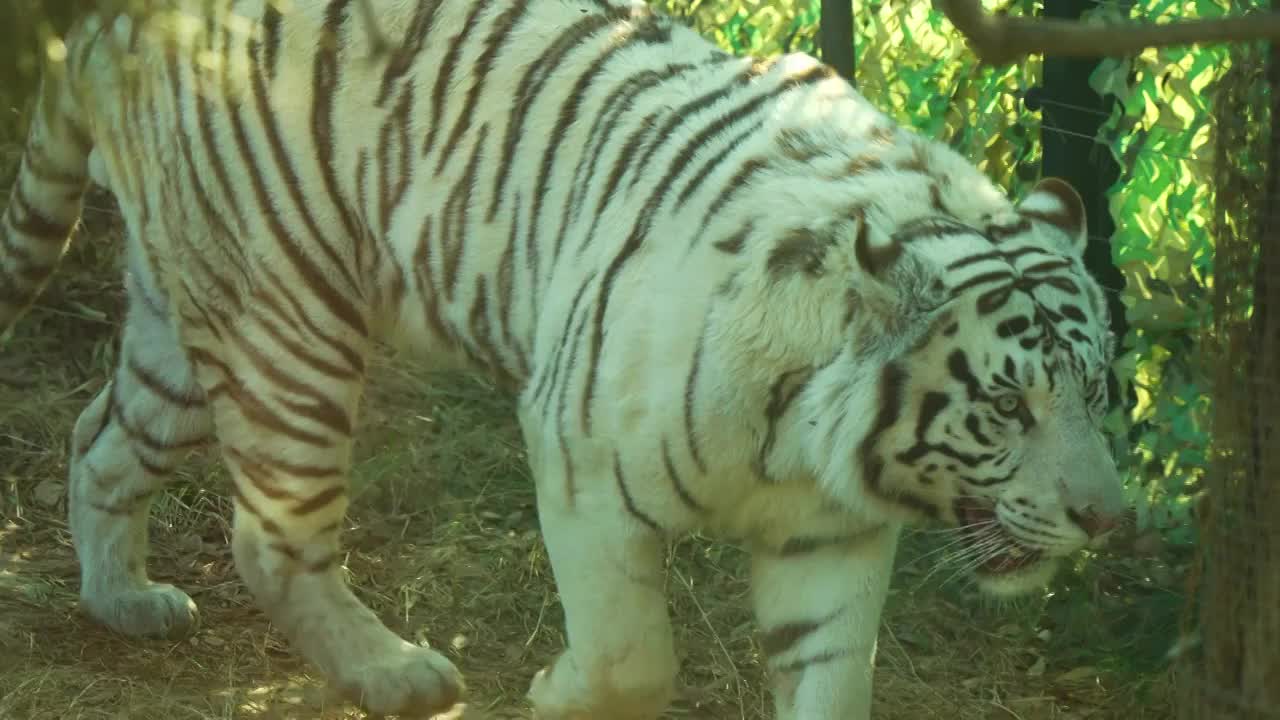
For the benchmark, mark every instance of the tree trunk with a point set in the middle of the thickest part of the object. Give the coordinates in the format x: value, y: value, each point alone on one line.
x: 1236, y: 673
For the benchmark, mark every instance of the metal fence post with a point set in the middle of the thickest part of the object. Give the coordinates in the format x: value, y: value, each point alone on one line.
x: 836, y: 31
x: 1072, y: 115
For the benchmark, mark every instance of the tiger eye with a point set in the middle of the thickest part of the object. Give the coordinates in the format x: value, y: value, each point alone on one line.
x: 1008, y: 404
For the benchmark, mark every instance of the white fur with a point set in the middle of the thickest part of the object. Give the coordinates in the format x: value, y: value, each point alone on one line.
x: 649, y: 453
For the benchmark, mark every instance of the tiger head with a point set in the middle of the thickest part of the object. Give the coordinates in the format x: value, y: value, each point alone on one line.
x: 973, y: 394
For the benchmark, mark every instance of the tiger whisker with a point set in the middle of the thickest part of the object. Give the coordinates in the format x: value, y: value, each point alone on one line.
x: 977, y: 562
x: 986, y: 547
x: 967, y: 536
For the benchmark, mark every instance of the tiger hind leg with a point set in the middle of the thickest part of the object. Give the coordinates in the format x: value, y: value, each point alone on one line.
x: 284, y: 393
x: 124, y: 448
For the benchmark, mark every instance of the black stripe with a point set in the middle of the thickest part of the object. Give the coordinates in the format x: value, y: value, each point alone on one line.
x: 713, y: 162
x: 974, y: 426
x: 808, y: 544
x: 932, y: 227
x: 444, y: 78
x: 996, y: 276
x: 891, y: 385
x: 314, y: 278
x: 182, y: 397
x: 325, y: 77
x: 609, y: 189
x: 990, y: 481
x: 300, y: 351
x: 613, y: 107
x: 648, y: 32
x: 232, y: 252
x: 547, y: 372
x: 283, y: 164
x: 251, y: 408
x: 457, y: 211
x: 562, y: 408
x: 785, y: 389
x: 733, y: 244
x: 394, y: 135
x: 668, y: 464
x: 737, y: 182
x: 318, y: 501
x: 660, y: 192
x: 783, y: 638
x: 314, y: 406
x: 271, y: 19
x: 27, y: 220
x: 1006, y: 256
x: 205, y: 120
x: 143, y: 436
x: 506, y: 287
x: 415, y: 39
x: 628, y: 501
x: 796, y: 666
x: 302, y: 319
x: 687, y: 111
x: 483, y: 65
x: 690, y: 399
x: 531, y: 85
x: 1029, y: 530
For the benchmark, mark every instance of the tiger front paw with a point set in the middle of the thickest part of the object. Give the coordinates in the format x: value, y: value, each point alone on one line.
x: 563, y: 692
x: 158, y: 610
x: 412, y: 681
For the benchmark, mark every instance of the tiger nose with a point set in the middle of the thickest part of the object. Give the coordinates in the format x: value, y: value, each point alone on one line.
x: 1095, y: 503
x: 1093, y: 521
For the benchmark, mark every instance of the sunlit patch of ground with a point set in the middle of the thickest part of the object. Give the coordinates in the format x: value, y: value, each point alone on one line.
x: 443, y: 544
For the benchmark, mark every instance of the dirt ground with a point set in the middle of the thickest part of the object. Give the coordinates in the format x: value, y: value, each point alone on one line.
x: 443, y: 544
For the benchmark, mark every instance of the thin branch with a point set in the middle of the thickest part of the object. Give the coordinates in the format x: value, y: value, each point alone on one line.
x: 999, y: 40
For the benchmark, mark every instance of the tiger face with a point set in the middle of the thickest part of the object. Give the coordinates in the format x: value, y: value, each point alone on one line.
x: 989, y: 417
x: 1005, y: 440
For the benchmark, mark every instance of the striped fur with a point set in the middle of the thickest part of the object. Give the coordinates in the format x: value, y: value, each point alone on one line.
x: 729, y: 294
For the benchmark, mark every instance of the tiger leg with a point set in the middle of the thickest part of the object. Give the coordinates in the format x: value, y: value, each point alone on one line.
x: 620, y: 662
x: 125, y: 446
x: 284, y: 401
x: 819, y: 614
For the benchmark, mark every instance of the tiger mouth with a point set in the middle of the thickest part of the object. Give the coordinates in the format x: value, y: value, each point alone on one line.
x: 1003, y: 552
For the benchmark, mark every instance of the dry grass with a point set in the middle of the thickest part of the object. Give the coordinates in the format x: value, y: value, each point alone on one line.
x: 443, y: 545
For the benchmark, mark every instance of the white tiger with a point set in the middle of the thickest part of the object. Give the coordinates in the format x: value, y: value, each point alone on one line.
x: 730, y: 295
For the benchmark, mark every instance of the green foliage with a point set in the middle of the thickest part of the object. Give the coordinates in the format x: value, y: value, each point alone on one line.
x: 911, y: 63
x: 908, y: 62
x: 752, y: 27
x: 1162, y: 131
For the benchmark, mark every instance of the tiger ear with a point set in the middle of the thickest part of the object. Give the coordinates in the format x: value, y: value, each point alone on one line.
x: 897, y: 284
x: 1055, y: 202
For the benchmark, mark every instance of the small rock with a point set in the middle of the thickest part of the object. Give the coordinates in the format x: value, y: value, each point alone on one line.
x: 49, y: 492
